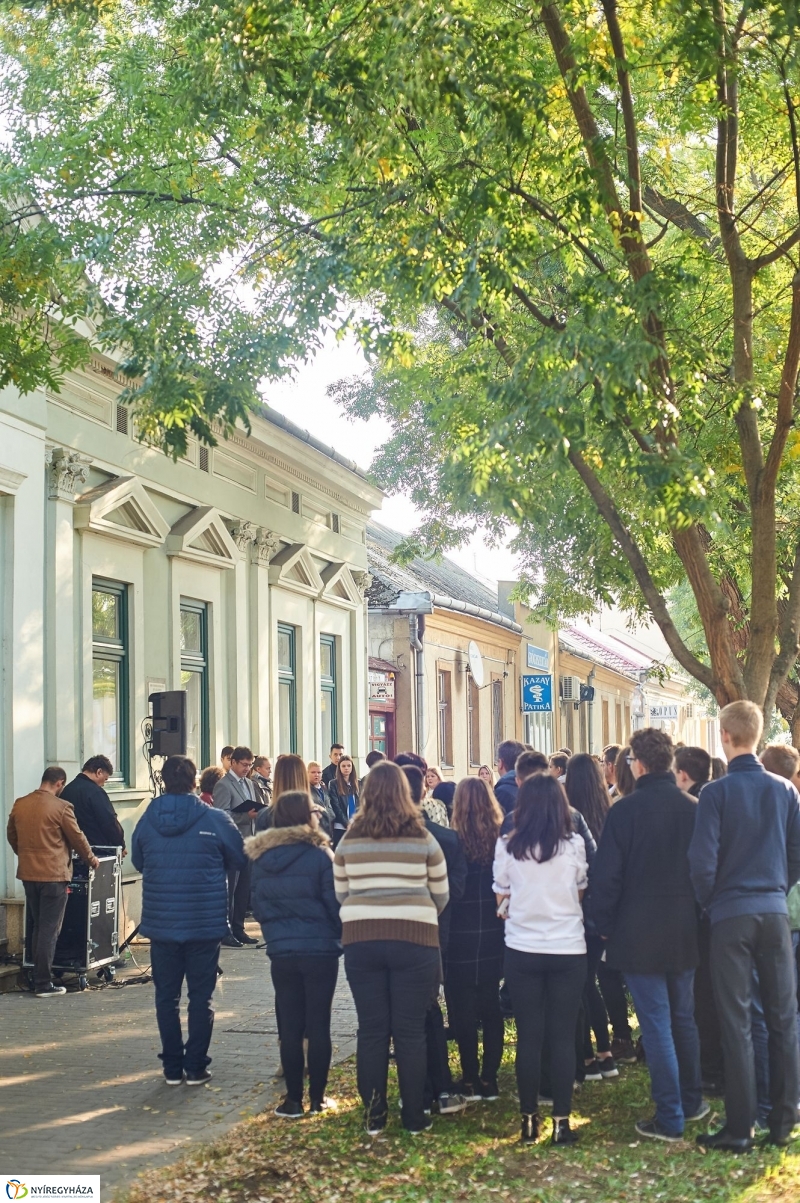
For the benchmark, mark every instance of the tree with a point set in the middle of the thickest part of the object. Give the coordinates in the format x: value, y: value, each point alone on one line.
x: 575, y: 228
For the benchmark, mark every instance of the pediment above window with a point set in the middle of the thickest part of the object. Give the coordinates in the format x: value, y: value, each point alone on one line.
x: 122, y: 509
x: 293, y: 568
x: 339, y: 586
x: 202, y: 536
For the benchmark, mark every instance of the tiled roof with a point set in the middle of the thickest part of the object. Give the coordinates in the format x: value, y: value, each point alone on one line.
x: 604, y: 649
x: 382, y: 666
x: 441, y: 577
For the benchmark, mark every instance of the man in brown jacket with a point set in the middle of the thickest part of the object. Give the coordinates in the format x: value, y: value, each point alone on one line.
x: 42, y: 830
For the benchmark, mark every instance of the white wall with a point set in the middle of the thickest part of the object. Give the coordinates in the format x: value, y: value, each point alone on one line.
x: 47, y: 565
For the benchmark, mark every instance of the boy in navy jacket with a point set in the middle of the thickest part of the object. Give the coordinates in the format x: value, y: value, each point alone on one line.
x: 744, y: 858
x: 184, y: 850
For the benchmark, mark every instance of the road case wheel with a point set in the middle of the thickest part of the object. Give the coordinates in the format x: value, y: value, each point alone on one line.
x: 83, y: 982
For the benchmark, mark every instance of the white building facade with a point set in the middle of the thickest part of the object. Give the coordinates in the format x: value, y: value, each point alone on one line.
x: 237, y: 573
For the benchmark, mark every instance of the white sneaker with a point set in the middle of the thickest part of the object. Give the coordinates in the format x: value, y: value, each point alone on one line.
x: 51, y: 991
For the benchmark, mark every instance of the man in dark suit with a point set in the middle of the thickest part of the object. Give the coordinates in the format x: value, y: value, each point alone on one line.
x: 329, y: 772
x: 96, y: 816
x: 644, y: 908
x: 235, y: 793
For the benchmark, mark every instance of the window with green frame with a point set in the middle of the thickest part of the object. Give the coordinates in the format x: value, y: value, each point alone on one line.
x: 328, y: 700
x: 194, y: 679
x: 110, y: 676
x: 287, y: 688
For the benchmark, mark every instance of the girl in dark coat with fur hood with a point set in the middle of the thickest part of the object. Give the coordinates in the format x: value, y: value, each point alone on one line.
x: 294, y: 901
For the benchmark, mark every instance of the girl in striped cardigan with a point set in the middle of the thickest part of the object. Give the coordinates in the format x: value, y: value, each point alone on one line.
x: 391, y: 882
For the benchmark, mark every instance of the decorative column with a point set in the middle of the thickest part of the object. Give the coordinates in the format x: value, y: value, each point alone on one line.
x: 359, y: 660
x: 262, y: 639
x: 67, y: 472
x: 244, y: 535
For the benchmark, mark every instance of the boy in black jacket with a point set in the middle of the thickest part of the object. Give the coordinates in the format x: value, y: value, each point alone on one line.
x: 745, y: 856
x: 645, y: 910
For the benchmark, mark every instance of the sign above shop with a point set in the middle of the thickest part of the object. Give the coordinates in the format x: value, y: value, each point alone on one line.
x: 538, y: 657
x: 668, y: 710
x: 381, y: 686
x: 537, y: 692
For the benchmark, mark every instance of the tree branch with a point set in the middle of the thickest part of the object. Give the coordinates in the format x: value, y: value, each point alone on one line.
x: 778, y: 253
x: 585, y: 118
x: 792, y: 115
x: 630, y: 549
x: 786, y: 396
x: 547, y: 213
x: 789, y: 636
x: 552, y: 323
x: 675, y: 211
x: 482, y: 323
x: 628, y: 114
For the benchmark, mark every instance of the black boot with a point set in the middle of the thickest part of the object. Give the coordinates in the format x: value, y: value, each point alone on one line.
x: 530, y: 1129
x: 563, y: 1134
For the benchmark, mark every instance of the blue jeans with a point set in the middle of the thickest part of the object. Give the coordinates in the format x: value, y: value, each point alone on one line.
x: 664, y: 1004
x: 171, y: 962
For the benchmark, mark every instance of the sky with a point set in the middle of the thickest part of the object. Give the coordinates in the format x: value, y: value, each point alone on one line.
x: 304, y: 400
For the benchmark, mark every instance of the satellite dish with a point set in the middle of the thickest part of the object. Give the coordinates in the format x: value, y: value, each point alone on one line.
x: 475, y: 663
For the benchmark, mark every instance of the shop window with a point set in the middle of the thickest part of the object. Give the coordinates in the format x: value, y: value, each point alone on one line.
x: 110, y: 676
x: 539, y: 732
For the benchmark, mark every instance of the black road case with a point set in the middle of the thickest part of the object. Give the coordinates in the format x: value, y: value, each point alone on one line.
x: 89, y: 938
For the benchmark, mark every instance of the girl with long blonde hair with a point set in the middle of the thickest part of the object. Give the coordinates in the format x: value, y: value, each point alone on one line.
x: 290, y: 774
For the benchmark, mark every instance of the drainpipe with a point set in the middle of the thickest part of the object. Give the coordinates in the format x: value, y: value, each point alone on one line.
x: 590, y: 716
x: 416, y: 628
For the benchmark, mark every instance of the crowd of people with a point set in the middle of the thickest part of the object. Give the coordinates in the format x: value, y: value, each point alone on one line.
x: 549, y: 893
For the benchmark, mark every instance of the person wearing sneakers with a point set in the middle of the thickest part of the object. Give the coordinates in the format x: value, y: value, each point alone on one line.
x: 644, y: 909
x: 390, y: 877
x: 540, y: 875
x: 295, y: 903
x: 185, y: 851
x: 43, y: 832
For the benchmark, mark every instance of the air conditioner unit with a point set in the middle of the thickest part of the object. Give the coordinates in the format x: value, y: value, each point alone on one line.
x: 570, y: 689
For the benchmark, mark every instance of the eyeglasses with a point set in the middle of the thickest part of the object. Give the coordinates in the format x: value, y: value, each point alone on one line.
x: 630, y: 759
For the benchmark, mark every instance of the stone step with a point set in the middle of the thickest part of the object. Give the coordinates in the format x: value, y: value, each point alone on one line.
x: 11, y: 979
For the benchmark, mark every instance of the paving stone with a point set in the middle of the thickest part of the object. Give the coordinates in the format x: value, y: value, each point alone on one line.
x: 81, y: 1087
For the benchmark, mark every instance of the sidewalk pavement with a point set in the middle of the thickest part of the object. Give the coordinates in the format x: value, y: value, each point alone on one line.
x: 81, y: 1088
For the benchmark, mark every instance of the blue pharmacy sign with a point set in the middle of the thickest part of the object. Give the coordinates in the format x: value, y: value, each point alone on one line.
x: 537, y: 692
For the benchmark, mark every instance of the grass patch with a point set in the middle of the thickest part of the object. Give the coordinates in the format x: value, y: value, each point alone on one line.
x: 470, y: 1157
